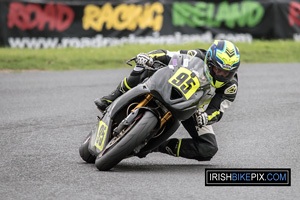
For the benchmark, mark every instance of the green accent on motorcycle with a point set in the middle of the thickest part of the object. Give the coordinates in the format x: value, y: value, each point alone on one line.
x: 157, y: 55
x: 101, y: 135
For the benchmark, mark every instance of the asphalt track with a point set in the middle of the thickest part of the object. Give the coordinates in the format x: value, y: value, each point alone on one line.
x: 44, y: 116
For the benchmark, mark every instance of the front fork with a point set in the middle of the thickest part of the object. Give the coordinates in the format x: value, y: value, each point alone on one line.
x: 133, y: 114
x: 118, y: 132
x: 143, y: 103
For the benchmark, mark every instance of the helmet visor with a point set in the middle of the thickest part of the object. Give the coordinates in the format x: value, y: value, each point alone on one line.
x: 222, y: 75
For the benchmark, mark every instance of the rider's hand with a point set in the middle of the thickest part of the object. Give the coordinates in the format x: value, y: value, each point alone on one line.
x: 202, y: 118
x: 143, y: 59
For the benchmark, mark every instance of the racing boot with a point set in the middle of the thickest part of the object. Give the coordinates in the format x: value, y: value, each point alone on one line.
x: 103, y: 102
x: 170, y: 147
x: 167, y: 147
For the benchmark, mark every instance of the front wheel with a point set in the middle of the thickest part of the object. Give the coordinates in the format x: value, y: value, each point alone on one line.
x: 134, y: 137
x: 84, y: 150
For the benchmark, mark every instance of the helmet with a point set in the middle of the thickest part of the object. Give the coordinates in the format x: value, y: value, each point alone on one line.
x: 221, y: 62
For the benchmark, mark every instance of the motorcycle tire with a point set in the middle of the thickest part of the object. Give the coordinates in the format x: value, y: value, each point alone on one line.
x: 84, y: 151
x: 135, y: 137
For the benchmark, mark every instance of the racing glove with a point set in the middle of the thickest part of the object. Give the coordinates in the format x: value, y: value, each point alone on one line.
x: 201, y: 118
x: 143, y: 59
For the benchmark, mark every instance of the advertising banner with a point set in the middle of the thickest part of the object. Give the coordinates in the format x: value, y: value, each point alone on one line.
x: 58, y: 24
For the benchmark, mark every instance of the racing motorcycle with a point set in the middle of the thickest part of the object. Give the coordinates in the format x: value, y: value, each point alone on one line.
x: 144, y: 117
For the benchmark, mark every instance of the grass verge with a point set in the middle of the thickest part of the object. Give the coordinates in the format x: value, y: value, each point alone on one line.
x: 276, y: 51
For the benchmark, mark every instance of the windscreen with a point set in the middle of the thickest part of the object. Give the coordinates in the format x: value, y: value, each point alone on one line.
x: 192, y: 63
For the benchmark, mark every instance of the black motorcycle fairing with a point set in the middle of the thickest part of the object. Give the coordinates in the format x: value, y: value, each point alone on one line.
x: 132, y: 117
x: 175, y: 100
x: 180, y: 86
x: 101, y: 135
x: 180, y: 107
x: 126, y: 98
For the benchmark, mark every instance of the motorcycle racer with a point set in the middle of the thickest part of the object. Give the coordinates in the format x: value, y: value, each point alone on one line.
x: 221, y: 62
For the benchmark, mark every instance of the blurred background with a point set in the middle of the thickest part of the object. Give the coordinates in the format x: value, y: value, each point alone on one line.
x: 142, y: 26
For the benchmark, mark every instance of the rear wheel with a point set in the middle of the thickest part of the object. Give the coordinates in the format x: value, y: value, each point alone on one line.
x: 125, y: 146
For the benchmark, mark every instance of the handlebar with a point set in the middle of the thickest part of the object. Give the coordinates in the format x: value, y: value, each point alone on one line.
x: 128, y: 61
x: 157, y: 67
